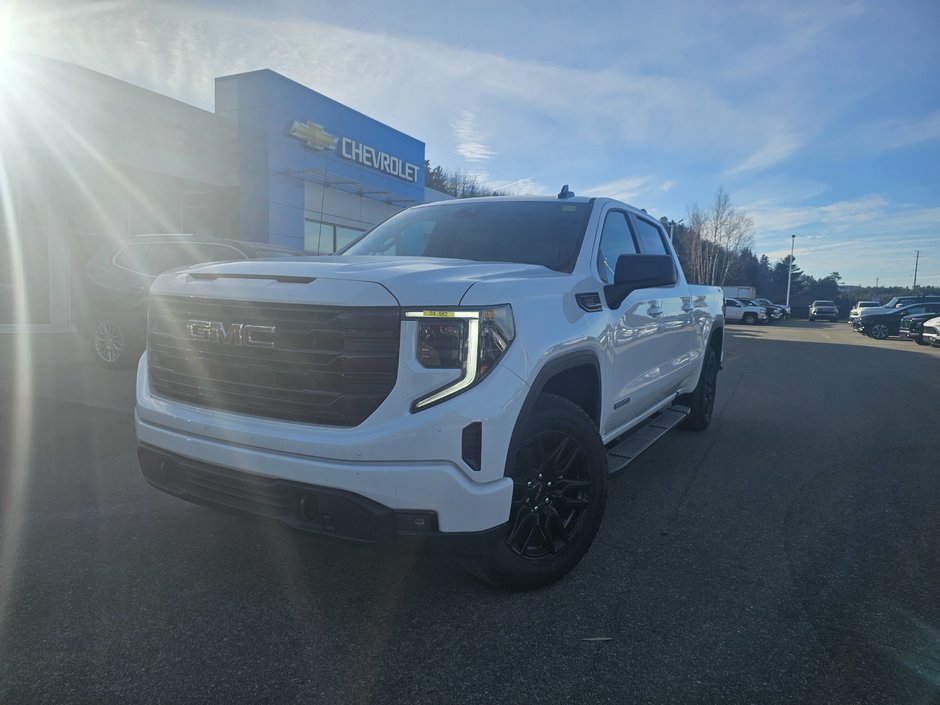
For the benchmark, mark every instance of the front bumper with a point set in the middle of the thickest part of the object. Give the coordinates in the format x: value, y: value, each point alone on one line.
x: 400, y: 460
x: 309, y: 508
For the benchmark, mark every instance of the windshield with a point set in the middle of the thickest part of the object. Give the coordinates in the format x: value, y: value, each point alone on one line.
x: 548, y: 233
x: 823, y: 303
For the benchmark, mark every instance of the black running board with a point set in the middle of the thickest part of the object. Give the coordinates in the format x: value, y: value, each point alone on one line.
x: 630, y: 446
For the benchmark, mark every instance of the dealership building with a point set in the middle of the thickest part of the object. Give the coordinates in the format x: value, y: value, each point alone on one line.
x: 88, y: 159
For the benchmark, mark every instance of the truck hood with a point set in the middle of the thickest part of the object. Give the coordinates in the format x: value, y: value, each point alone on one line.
x: 364, y: 281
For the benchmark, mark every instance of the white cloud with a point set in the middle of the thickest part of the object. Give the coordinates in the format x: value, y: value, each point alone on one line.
x: 520, y: 187
x: 893, y: 134
x: 625, y: 189
x: 779, y: 147
x: 470, y: 144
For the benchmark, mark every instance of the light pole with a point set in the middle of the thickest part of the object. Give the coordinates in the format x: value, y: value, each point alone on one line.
x: 790, y: 268
x: 672, y: 225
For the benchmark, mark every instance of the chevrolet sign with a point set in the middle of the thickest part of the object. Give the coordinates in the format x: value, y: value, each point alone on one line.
x: 371, y: 157
x: 314, y: 135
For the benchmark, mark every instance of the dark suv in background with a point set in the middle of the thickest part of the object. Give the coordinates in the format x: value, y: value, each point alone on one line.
x: 110, y: 301
x: 881, y: 324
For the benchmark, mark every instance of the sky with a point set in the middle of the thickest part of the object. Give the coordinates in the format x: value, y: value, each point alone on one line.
x: 820, y: 119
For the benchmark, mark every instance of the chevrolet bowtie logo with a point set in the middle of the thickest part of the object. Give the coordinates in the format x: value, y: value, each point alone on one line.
x: 314, y: 135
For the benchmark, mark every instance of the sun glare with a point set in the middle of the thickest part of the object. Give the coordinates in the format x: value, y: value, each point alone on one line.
x: 6, y: 25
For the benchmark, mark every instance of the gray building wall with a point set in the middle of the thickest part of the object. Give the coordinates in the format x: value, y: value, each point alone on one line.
x: 88, y: 158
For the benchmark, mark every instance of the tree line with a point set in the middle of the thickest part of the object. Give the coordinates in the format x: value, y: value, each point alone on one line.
x: 456, y: 183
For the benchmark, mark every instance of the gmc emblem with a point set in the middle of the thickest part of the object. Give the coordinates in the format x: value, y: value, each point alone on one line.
x: 233, y: 334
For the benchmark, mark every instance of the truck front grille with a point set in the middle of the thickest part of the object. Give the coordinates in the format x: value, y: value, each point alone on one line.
x: 321, y: 364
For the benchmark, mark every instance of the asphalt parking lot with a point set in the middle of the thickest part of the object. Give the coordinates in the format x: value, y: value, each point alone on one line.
x: 791, y: 553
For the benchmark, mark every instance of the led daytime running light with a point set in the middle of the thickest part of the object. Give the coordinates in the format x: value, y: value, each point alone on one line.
x: 473, y: 367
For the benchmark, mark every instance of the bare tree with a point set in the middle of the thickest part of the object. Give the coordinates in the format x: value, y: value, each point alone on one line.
x: 716, y: 240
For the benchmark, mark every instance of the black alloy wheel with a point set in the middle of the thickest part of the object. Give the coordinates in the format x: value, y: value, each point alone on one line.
x: 701, y: 401
x: 551, y: 491
x: 559, y: 491
x: 878, y: 331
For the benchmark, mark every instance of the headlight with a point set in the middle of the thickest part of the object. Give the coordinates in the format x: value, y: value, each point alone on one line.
x: 469, y: 340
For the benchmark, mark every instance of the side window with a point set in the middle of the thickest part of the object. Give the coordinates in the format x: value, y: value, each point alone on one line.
x: 650, y: 237
x: 221, y: 253
x: 616, y: 240
x: 170, y: 255
x: 133, y: 257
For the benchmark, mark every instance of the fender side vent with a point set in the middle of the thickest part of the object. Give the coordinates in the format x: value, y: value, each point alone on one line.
x: 589, y: 301
x: 472, y: 445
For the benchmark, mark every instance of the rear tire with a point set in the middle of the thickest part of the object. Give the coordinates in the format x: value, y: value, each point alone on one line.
x: 559, y: 476
x: 702, y: 400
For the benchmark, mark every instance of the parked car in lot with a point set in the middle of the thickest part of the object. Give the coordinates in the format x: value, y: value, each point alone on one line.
x: 823, y: 309
x: 859, y: 305
x: 111, y: 301
x: 899, y: 301
x: 738, y: 311
x: 774, y: 313
x: 883, y: 324
x: 768, y: 304
x: 912, y: 327
x: 931, y: 331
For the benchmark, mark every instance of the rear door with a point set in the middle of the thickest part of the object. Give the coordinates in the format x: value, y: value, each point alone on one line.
x: 633, y: 340
x: 678, y: 339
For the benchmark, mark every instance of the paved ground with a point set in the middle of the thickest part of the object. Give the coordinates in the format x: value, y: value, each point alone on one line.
x: 789, y: 554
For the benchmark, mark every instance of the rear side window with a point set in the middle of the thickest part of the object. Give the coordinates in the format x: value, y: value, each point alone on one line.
x: 650, y: 237
x: 616, y: 240
x: 133, y: 257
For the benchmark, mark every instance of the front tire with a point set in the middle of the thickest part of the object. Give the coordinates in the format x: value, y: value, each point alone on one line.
x: 114, y: 345
x: 702, y: 400
x: 879, y: 331
x: 920, y: 341
x: 559, y: 476
x: 750, y: 318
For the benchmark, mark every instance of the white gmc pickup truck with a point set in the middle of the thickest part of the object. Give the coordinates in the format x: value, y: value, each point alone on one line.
x: 461, y: 379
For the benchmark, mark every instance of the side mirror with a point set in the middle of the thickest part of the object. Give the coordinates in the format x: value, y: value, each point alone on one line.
x: 640, y: 272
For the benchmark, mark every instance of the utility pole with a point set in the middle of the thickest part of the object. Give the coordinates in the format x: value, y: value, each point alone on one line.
x: 916, y: 262
x: 790, y: 268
